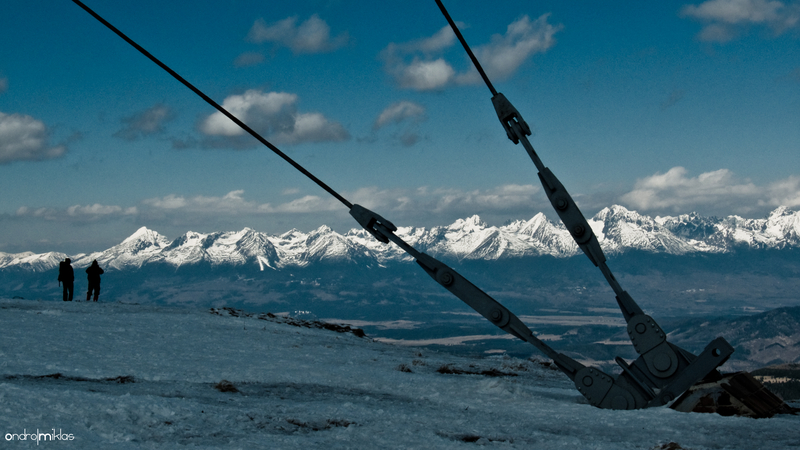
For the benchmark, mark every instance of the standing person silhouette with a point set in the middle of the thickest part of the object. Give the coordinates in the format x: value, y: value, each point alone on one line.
x: 94, y: 272
x: 67, y: 277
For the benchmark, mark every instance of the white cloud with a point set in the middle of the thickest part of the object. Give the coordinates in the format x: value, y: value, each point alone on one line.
x: 96, y: 210
x: 311, y: 36
x: 145, y: 123
x: 398, y: 112
x: 255, y: 108
x: 77, y: 213
x: 426, y: 75
x: 443, y: 39
x: 423, y: 72
x: 24, y: 138
x: 725, y: 18
x: 273, y: 115
x: 232, y: 202
x: 505, y: 53
x: 501, y: 198
x: 415, y: 65
x: 306, y: 204
x: 783, y: 193
x: 719, y: 191
x: 312, y: 127
x: 437, y: 206
x: 735, y: 11
x: 168, y: 202
x: 450, y: 203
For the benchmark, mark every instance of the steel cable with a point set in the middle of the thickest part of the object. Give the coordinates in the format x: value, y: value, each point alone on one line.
x: 216, y: 105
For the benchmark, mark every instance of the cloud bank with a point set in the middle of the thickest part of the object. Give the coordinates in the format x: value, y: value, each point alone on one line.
x: 435, y: 206
x: 719, y: 191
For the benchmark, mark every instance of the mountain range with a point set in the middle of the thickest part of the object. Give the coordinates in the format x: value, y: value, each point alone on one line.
x: 618, y: 229
x: 679, y: 267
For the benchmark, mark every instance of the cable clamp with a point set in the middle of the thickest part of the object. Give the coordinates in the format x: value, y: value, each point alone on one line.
x: 370, y: 221
x: 507, y: 115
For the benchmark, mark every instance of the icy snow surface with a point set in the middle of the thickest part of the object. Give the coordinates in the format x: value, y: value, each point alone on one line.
x: 301, y: 388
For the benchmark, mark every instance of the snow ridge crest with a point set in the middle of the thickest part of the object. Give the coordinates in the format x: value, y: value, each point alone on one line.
x: 618, y: 230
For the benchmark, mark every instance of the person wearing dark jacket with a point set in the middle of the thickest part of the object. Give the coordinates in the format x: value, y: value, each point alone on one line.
x: 94, y: 272
x: 66, y: 277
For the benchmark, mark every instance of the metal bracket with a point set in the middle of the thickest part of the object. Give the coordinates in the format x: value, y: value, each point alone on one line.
x: 368, y: 220
x: 507, y: 114
x: 571, y: 217
x: 713, y: 356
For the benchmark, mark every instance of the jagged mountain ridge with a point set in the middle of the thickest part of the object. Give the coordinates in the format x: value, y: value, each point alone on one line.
x: 618, y: 230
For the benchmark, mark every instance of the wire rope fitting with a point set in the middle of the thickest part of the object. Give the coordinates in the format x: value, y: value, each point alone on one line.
x: 508, y: 114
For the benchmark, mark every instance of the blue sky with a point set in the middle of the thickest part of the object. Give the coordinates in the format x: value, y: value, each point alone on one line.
x: 662, y: 107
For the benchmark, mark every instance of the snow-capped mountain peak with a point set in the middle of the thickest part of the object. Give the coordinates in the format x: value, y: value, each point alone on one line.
x: 144, y: 237
x: 468, y: 225
x: 617, y: 228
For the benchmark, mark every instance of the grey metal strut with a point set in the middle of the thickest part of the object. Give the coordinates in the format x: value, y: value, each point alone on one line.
x: 598, y: 387
x: 636, y: 387
x: 663, y: 370
x: 383, y: 230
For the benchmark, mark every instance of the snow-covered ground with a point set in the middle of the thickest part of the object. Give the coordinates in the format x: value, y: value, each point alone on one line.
x: 137, y: 376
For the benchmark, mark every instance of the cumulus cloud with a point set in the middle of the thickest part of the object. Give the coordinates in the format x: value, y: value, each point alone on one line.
x: 724, y: 19
x: 719, y: 191
x: 505, y: 53
x: 398, y: 112
x: 783, y: 193
x: 148, y: 122
x: 24, y: 138
x: 425, y: 75
x: 441, y: 40
x: 417, y: 64
x: 311, y: 36
x: 274, y: 115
